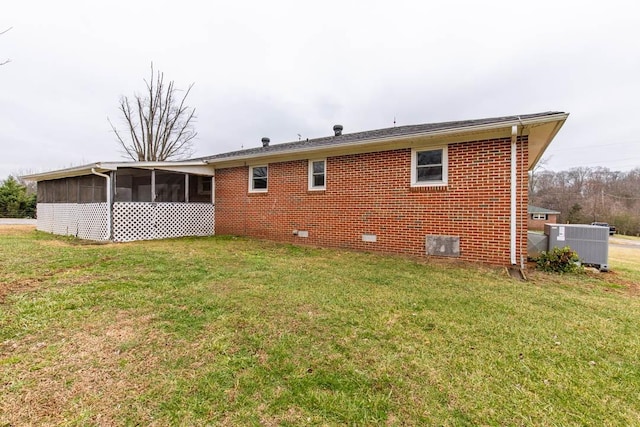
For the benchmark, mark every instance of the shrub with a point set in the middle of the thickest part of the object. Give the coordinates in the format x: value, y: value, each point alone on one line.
x: 559, y: 260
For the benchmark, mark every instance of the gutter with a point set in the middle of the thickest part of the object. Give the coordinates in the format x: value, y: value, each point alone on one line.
x: 109, y: 203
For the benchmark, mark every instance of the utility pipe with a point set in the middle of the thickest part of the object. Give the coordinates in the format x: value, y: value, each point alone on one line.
x: 109, y: 202
x: 514, y: 175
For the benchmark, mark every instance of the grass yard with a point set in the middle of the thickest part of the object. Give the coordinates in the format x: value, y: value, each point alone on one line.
x: 233, y: 331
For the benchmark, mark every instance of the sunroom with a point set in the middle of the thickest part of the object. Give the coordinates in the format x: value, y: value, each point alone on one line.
x: 127, y: 201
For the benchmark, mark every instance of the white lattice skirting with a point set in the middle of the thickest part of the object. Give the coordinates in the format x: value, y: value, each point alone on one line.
x: 131, y: 221
x: 83, y: 220
x: 146, y: 221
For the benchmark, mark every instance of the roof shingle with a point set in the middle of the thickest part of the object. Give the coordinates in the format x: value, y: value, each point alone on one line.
x: 399, y: 131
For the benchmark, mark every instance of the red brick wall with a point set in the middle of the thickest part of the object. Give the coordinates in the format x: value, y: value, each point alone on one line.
x: 371, y: 193
x: 538, y: 224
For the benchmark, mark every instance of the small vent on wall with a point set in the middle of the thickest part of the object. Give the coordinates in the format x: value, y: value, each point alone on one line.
x: 448, y: 246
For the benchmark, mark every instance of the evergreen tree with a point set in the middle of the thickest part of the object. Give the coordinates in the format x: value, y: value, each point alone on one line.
x: 14, y: 200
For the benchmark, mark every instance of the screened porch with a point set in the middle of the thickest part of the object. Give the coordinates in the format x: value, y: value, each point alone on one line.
x: 126, y: 202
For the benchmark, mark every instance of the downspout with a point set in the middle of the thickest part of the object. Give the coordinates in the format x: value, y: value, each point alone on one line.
x: 522, y: 247
x: 109, y: 203
x: 514, y: 170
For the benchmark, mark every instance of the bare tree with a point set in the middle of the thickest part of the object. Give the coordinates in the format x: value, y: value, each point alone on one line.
x: 533, y: 175
x: 31, y: 186
x: 6, y: 61
x: 159, y: 123
x: 586, y: 194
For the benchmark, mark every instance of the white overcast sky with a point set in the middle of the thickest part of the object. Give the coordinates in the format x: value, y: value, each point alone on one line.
x: 283, y: 68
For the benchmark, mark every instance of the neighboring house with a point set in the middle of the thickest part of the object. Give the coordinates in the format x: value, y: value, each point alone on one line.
x: 443, y: 189
x: 538, y: 217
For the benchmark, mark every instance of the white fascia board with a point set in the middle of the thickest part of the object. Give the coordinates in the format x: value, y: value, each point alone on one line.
x: 198, y: 167
x: 68, y: 172
x: 540, y: 139
x: 195, y: 167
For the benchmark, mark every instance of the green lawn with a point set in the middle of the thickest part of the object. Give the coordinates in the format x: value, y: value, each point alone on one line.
x: 233, y: 331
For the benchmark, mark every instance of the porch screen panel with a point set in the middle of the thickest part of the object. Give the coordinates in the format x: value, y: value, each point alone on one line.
x: 169, y: 187
x: 124, y: 186
x: 86, y: 189
x: 141, y: 187
x: 41, y: 188
x: 92, y: 189
x: 72, y: 190
x: 133, y: 185
x: 200, y: 188
x: 59, y: 190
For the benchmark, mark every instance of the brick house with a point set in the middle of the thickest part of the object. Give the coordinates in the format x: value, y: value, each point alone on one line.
x: 443, y: 189
x: 538, y: 217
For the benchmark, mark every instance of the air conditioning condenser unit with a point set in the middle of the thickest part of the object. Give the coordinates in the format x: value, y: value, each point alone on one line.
x: 591, y: 242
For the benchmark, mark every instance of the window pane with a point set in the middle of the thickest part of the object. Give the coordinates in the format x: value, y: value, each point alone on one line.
x: 259, y: 183
x: 318, y: 180
x: 259, y: 178
x: 430, y: 173
x: 318, y: 167
x: 432, y: 157
x: 260, y: 172
x: 206, y: 184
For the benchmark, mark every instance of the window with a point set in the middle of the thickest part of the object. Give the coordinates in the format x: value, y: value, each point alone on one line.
x: 539, y: 216
x: 317, y: 172
x: 258, y: 179
x: 429, y: 167
x: 204, y: 185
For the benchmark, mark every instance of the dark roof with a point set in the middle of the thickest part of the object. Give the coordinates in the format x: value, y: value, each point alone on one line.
x: 399, y: 131
x: 535, y: 209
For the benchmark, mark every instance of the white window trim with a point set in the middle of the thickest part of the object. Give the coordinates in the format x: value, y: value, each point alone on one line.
x: 445, y: 167
x: 257, y: 190
x: 310, y: 169
x: 539, y: 216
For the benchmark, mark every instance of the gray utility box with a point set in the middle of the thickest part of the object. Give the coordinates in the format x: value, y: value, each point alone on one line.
x: 591, y: 242
x: 536, y: 244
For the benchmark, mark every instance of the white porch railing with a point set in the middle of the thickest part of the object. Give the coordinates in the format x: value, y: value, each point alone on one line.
x: 146, y: 221
x: 83, y: 220
x: 131, y: 220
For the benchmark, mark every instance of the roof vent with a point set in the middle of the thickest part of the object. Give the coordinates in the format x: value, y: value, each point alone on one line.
x: 338, y: 130
x: 265, y: 141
